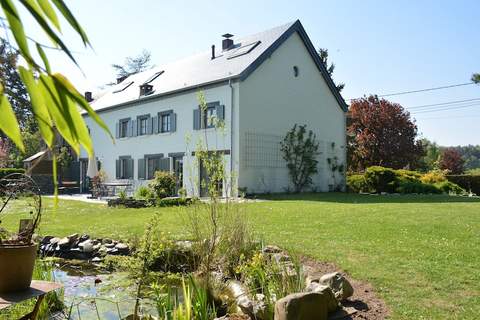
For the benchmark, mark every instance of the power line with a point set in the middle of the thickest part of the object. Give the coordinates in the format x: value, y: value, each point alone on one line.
x: 450, y: 117
x: 447, y: 108
x: 443, y: 103
x: 422, y: 90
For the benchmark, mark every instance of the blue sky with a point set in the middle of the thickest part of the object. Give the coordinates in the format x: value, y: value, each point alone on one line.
x: 378, y: 46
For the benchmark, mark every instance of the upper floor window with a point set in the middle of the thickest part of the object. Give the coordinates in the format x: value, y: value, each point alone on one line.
x: 123, y: 128
x: 165, y: 121
x: 209, y: 117
x: 142, y: 125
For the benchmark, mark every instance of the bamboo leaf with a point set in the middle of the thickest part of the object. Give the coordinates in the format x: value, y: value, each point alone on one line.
x: 44, y: 58
x: 57, y: 113
x: 80, y: 100
x: 17, y: 29
x: 38, y: 106
x: 67, y: 14
x: 46, y: 28
x: 50, y: 12
x: 8, y: 121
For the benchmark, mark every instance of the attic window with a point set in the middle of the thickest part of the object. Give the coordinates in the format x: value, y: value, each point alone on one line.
x: 123, y: 87
x: 243, y: 50
x: 155, y: 76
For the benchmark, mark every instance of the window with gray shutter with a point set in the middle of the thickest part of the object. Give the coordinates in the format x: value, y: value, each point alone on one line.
x: 173, y: 124
x: 129, y: 128
x: 196, y: 119
x: 220, y: 112
x: 149, y: 126
x: 117, y: 130
x: 141, y: 169
x: 165, y: 164
x: 134, y: 128
x: 155, y: 125
x: 130, y: 168
x: 117, y: 169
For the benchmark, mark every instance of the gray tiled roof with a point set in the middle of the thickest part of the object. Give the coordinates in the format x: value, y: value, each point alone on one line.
x: 199, y: 70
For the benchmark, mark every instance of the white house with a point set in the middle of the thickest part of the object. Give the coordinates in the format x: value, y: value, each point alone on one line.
x: 260, y: 85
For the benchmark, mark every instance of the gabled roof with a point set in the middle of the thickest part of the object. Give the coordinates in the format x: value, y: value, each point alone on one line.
x: 200, y: 70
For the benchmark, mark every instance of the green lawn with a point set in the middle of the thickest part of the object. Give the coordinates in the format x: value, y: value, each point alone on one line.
x: 421, y: 253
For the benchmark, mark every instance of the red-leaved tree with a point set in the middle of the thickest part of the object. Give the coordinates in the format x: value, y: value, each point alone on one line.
x: 451, y: 160
x: 381, y: 133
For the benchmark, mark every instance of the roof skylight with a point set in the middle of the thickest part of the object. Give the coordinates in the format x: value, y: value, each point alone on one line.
x: 243, y: 50
x: 124, y: 87
x: 154, y: 76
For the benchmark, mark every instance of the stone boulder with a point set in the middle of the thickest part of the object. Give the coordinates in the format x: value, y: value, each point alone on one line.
x: 339, y: 285
x: 332, y: 302
x: 302, y: 306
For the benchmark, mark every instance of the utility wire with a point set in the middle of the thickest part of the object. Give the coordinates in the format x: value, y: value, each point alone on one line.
x: 443, y: 103
x: 422, y: 90
x: 447, y: 108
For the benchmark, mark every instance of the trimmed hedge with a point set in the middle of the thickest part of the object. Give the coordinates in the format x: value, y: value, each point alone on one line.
x: 357, y: 183
x: 6, y: 171
x: 468, y: 182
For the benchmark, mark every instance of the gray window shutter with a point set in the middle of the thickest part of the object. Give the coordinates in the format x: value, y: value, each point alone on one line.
x: 173, y: 122
x: 117, y: 130
x: 165, y: 164
x: 134, y: 128
x: 149, y: 125
x: 196, y: 119
x: 155, y: 125
x: 117, y: 169
x: 141, y: 168
x: 130, y: 168
x: 220, y: 112
x: 129, y: 128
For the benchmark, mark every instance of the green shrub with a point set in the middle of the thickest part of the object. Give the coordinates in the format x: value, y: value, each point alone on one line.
x: 406, y: 187
x: 356, y: 183
x: 6, y: 171
x: 449, y: 187
x: 467, y: 182
x: 434, y: 176
x: 380, y: 179
x: 163, y: 184
x: 145, y: 193
x: 174, y: 202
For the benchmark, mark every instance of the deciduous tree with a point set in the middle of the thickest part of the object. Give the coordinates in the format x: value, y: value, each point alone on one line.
x: 452, y: 160
x: 133, y: 65
x: 381, y: 133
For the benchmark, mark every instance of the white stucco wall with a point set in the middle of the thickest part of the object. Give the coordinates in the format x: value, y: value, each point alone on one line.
x: 271, y: 101
x: 184, y: 139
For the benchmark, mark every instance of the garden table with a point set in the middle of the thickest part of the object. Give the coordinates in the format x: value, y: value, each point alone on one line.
x: 38, y: 289
x: 114, y: 185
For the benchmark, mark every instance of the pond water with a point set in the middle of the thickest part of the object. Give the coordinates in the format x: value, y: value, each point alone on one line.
x: 93, y: 293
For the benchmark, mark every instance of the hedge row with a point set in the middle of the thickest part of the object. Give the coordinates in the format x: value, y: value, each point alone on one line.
x: 379, y: 180
x: 468, y: 182
x: 6, y: 171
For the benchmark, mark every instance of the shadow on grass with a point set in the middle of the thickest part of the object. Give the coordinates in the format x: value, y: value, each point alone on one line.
x: 367, y: 198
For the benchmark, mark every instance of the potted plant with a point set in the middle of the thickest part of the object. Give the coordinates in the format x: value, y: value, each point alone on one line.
x: 19, y: 194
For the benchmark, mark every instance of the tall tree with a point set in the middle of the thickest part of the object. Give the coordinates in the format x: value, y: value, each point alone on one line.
x: 452, y: 160
x: 432, y: 152
x: 381, y: 133
x: 133, y: 65
x: 323, y: 53
x: 476, y: 77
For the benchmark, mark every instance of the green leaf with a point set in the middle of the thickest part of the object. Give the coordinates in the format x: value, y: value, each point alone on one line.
x: 39, y: 106
x: 8, y: 121
x: 44, y: 58
x: 17, y: 29
x: 80, y: 100
x: 67, y: 14
x: 56, y: 109
x: 50, y: 12
x: 46, y: 28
